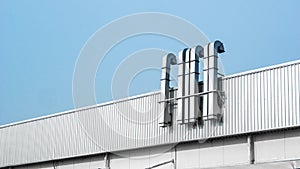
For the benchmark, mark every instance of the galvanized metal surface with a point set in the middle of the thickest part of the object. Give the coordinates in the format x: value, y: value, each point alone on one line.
x: 255, y: 101
x: 217, y: 153
x: 194, y: 85
x: 168, y: 60
x: 211, y: 109
x: 181, y: 85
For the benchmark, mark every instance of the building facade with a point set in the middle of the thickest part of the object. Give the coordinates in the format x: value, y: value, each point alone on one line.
x: 258, y: 127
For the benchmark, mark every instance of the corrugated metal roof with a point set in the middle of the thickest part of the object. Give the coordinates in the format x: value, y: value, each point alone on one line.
x: 258, y: 100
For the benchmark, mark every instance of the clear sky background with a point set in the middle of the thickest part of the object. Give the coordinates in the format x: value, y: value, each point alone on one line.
x: 41, y: 40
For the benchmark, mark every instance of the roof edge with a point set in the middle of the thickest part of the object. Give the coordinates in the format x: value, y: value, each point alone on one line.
x: 78, y: 109
x: 262, y: 69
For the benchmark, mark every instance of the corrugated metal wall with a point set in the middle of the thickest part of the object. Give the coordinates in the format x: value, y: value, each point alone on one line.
x: 79, y: 163
x: 258, y: 100
x: 262, y: 100
x: 216, y: 153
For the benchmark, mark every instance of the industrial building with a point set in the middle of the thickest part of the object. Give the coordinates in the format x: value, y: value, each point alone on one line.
x: 245, y: 120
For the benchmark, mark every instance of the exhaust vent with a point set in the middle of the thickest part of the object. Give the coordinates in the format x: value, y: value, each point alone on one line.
x: 166, y: 118
x: 181, y: 86
x: 187, y: 86
x: 188, y: 95
x: 195, y: 113
x: 211, y: 108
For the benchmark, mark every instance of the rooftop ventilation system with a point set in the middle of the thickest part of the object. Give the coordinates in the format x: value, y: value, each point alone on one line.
x: 188, y: 95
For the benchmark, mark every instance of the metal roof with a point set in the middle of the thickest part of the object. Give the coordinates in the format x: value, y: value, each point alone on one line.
x: 259, y: 100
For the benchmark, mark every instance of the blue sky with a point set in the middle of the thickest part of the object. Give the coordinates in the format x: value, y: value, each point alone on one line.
x: 41, y: 40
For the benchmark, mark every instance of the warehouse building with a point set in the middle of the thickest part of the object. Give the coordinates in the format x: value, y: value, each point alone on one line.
x: 246, y: 120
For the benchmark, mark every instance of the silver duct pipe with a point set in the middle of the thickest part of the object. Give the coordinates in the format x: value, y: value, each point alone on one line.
x: 168, y: 60
x: 181, y: 86
x: 195, y: 54
x: 211, y: 107
x: 187, y: 86
x: 188, y: 97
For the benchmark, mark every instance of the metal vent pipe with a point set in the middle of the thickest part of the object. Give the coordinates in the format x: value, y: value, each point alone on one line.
x: 187, y: 86
x: 211, y: 107
x: 168, y: 60
x: 181, y: 86
x: 195, y: 54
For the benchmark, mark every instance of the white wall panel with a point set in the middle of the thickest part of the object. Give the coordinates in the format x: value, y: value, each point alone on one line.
x: 120, y: 161
x: 211, y: 154
x: 96, y: 162
x: 230, y: 151
x: 162, y: 154
x: 139, y: 158
x: 81, y: 163
x: 283, y: 145
x: 188, y: 155
x: 292, y: 144
x: 269, y: 147
x: 143, y: 158
x: 235, y: 151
